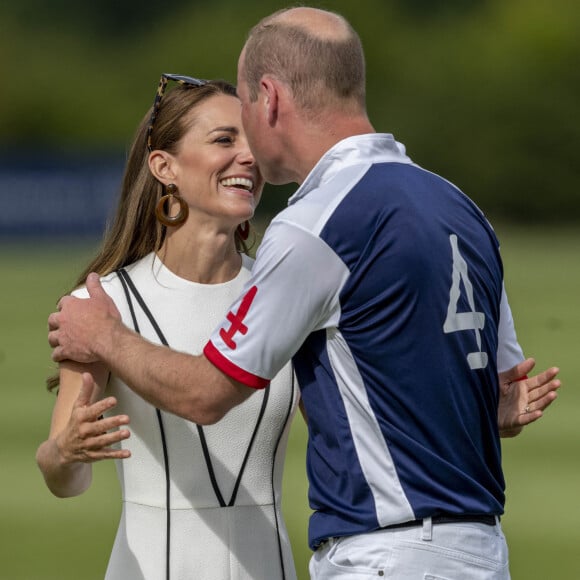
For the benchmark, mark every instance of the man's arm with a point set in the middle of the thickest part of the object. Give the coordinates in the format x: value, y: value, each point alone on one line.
x: 522, y: 400
x: 189, y: 386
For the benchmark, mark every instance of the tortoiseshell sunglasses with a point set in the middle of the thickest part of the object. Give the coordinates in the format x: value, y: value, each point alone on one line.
x: 165, y: 78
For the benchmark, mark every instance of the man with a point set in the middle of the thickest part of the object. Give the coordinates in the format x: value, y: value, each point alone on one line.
x: 384, y: 284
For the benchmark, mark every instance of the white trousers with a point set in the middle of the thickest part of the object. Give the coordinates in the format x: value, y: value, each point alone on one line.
x: 454, y: 551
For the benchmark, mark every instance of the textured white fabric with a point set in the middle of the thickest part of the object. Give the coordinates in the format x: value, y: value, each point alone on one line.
x: 207, y: 541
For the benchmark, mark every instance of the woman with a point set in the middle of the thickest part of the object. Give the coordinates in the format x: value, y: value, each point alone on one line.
x: 197, y: 502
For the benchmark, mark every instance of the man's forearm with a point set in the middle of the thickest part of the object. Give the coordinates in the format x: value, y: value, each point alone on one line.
x: 186, y: 385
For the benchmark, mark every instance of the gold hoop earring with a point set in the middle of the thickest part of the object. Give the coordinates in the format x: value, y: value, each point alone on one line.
x: 244, y: 230
x: 167, y: 220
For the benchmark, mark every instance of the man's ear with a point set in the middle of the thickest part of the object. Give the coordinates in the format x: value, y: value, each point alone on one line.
x: 271, y: 90
x: 161, y: 166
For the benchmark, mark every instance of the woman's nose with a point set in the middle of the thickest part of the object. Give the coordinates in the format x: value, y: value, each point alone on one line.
x: 245, y: 155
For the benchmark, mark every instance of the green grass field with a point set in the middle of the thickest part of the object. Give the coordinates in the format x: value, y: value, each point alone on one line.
x: 42, y: 537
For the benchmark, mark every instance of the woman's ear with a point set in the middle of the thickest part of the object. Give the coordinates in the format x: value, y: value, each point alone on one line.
x: 161, y: 166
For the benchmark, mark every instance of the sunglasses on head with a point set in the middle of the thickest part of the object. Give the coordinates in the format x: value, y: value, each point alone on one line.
x: 165, y: 78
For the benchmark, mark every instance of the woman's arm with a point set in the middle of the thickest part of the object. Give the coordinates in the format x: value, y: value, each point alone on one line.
x: 79, y: 435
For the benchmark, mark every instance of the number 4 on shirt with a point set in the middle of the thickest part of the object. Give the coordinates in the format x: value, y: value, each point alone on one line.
x: 460, y: 321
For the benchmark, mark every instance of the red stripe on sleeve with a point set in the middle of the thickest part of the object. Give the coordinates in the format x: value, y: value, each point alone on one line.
x: 215, y: 357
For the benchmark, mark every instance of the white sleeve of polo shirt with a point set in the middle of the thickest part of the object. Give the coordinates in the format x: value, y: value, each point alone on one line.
x: 294, y: 290
x: 509, y: 352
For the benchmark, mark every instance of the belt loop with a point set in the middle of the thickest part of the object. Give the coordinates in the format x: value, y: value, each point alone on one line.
x: 427, y: 531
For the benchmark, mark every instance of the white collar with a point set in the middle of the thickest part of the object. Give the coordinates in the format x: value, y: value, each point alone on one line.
x: 356, y: 150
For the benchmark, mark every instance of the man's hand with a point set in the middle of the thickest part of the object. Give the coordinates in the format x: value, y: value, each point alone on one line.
x: 81, y: 325
x: 523, y: 401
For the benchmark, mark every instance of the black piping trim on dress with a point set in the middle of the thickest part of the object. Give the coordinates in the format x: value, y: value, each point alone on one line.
x: 286, y: 419
x: 126, y: 282
x: 206, y: 453
x: 209, y: 464
x: 250, y: 445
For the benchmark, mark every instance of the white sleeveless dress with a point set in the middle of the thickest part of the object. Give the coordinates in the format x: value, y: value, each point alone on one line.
x: 199, y: 504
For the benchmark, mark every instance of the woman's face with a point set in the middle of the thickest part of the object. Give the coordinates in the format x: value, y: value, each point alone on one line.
x: 216, y: 174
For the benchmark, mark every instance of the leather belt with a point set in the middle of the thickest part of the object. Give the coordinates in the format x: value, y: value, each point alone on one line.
x: 486, y: 519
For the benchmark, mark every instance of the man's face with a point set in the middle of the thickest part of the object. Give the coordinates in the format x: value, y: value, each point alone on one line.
x: 263, y: 137
x: 250, y: 116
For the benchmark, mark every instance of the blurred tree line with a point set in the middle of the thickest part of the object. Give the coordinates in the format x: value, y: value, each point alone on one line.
x: 484, y: 92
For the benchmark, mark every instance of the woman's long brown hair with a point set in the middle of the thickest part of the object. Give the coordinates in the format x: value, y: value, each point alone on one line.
x: 134, y: 231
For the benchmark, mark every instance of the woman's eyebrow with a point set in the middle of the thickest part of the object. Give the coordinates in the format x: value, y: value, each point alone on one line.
x: 228, y: 129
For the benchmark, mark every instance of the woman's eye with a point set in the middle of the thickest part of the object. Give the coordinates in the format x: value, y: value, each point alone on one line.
x: 226, y: 140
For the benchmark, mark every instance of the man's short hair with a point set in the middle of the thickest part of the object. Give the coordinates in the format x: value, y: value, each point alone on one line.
x: 318, y: 69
